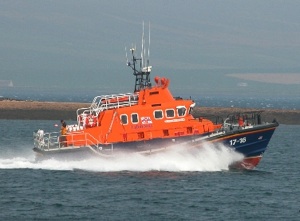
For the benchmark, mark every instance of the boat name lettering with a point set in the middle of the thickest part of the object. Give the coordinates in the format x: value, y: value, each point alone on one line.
x: 235, y: 141
x: 141, y: 126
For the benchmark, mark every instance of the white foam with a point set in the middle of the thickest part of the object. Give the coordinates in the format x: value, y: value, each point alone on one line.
x: 207, y: 158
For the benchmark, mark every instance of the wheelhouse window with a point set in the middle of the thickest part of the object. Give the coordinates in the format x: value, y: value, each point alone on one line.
x: 158, y: 114
x: 124, y: 119
x: 170, y: 113
x: 134, y: 118
x: 181, y: 110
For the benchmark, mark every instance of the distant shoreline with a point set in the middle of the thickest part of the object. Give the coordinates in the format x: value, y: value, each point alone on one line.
x: 36, y: 110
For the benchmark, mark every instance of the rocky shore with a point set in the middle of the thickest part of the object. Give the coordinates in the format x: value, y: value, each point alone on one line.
x: 34, y: 110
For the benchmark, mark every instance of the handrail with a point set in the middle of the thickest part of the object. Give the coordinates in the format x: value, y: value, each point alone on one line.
x: 105, y: 102
x: 48, y: 141
x: 94, y: 143
x: 114, y: 100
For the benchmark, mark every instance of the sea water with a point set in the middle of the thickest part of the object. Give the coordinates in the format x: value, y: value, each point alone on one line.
x: 179, y: 185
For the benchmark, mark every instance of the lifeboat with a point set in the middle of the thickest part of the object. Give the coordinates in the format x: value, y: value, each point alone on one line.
x: 151, y: 120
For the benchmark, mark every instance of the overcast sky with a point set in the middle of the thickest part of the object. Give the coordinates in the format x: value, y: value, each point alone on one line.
x: 64, y: 43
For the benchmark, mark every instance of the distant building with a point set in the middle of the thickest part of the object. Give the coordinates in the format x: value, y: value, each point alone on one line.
x: 6, y: 83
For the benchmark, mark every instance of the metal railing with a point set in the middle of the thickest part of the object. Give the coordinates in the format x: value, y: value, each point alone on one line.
x: 52, y: 141
x: 105, y: 102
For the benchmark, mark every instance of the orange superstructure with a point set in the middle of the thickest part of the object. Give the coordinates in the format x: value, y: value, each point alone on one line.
x: 149, y: 113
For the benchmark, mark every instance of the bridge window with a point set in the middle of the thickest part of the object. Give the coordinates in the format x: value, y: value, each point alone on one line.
x: 170, y: 113
x: 181, y: 110
x: 124, y: 119
x: 134, y: 118
x: 158, y: 114
x: 154, y: 92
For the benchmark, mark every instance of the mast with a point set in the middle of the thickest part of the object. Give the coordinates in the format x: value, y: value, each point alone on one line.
x: 142, y: 76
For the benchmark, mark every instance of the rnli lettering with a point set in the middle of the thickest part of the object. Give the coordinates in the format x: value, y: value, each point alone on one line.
x: 146, y: 120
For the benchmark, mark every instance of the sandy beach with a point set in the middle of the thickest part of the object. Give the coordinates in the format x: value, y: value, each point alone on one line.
x: 34, y: 110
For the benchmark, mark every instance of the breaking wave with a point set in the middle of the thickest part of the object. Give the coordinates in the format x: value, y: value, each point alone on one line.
x: 179, y: 159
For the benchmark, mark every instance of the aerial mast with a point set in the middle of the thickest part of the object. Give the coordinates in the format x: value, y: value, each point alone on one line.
x: 142, y: 76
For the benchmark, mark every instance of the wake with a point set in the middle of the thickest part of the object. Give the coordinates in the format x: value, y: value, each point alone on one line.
x: 179, y: 159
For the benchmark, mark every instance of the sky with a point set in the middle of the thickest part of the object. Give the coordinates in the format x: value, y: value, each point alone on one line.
x: 198, y: 44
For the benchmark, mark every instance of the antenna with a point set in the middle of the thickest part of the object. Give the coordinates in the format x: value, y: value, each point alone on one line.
x: 142, y: 75
x: 148, y: 47
x: 127, y: 62
x: 142, y: 52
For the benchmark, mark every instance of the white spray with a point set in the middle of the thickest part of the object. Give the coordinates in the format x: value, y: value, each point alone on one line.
x: 207, y: 158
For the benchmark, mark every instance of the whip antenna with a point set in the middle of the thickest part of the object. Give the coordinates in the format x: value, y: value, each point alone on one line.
x: 142, y: 52
x: 127, y: 62
x: 148, y: 47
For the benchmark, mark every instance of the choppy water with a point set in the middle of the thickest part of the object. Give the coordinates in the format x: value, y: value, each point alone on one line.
x: 174, y: 186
